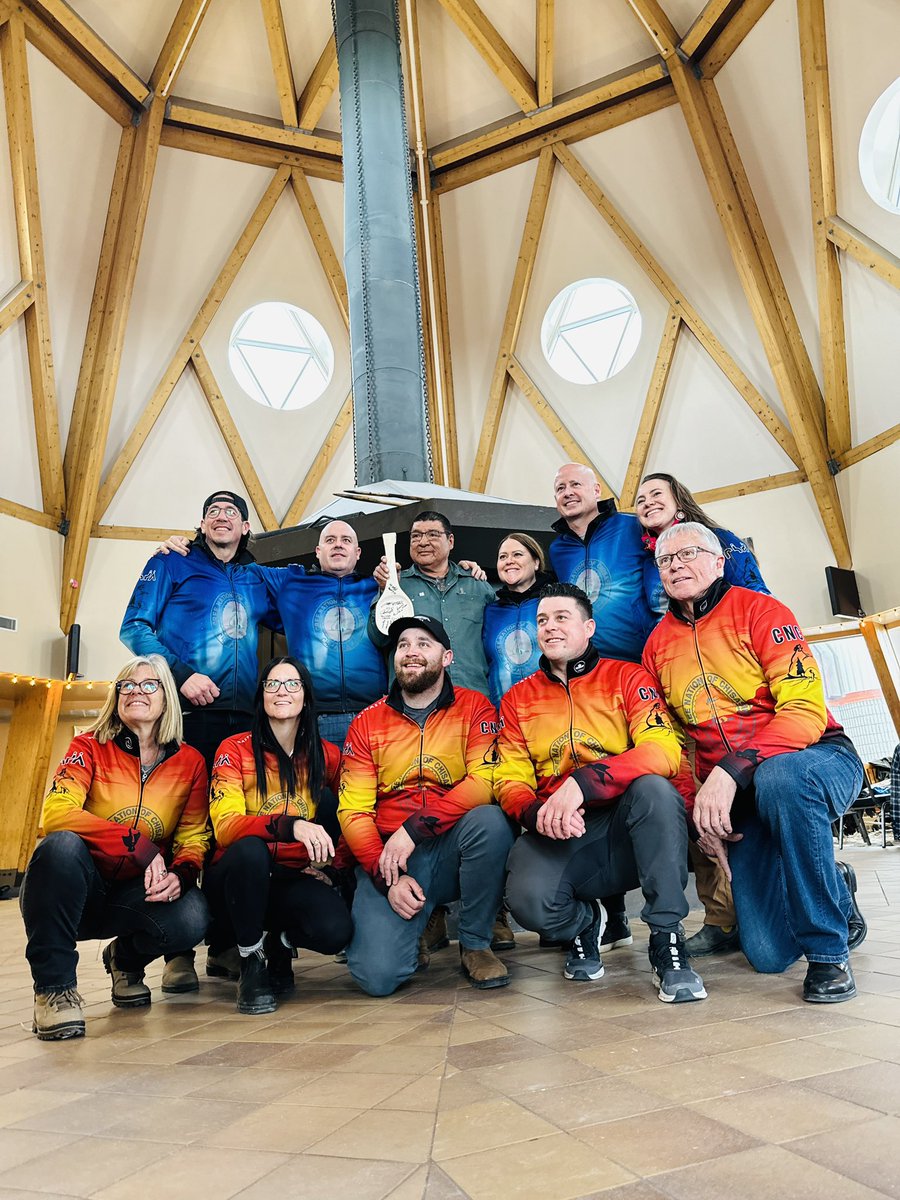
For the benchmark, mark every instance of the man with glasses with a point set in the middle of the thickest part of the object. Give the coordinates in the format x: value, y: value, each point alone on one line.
x: 202, y: 613
x: 776, y: 768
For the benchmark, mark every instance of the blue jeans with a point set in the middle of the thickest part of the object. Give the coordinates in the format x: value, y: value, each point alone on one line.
x: 467, y: 863
x: 790, y: 899
x: 333, y: 727
x: 65, y: 899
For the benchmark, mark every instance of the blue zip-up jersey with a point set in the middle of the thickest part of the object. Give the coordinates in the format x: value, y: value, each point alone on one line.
x: 509, y: 636
x: 202, y: 615
x: 741, y: 570
x: 324, y: 621
x: 608, y: 564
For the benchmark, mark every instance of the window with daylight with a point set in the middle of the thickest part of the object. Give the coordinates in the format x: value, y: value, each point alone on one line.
x: 280, y: 355
x: 591, y: 330
x: 879, y: 150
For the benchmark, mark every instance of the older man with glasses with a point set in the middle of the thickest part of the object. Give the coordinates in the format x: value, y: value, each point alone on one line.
x: 776, y: 768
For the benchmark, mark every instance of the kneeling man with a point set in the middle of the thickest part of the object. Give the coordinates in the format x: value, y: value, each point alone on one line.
x: 775, y: 766
x: 416, y: 811
x: 587, y: 752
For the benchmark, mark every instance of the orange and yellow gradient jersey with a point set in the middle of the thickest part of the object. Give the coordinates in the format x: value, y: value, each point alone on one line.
x: 395, y: 773
x: 742, y: 680
x: 605, y: 726
x: 237, y: 810
x: 97, y: 793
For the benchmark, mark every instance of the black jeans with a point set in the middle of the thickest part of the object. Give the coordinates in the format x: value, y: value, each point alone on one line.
x: 64, y: 899
x: 206, y: 728
x: 248, y: 894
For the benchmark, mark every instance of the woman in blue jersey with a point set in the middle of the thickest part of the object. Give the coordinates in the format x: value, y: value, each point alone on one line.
x: 663, y: 501
x: 509, y: 631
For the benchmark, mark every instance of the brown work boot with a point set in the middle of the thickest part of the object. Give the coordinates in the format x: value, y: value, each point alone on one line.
x: 434, y: 936
x: 179, y: 975
x: 58, y: 1015
x: 128, y: 987
x: 225, y: 964
x: 424, y: 957
x: 482, y: 968
x: 502, y: 937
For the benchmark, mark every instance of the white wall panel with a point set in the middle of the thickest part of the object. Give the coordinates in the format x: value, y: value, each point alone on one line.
x: 29, y: 591
x: 19, y: 476
x: 872, y: 317
x: 135, y: 31
x: 232, y: 34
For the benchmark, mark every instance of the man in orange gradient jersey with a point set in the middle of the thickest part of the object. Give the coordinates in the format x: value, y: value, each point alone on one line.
x: 776, y: 768
x: 416, y: 811
x: 586, y: 755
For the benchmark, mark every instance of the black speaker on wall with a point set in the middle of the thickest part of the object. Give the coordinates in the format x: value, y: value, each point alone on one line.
x: 73, y: 652
x: 843, y: 593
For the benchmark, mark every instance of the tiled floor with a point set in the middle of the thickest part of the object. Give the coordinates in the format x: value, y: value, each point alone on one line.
x: 547, y: 1089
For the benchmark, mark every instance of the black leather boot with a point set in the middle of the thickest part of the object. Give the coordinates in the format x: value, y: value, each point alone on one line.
x: 254, y: 986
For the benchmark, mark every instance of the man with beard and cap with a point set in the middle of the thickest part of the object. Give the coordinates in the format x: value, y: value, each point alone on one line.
x: 416, y: 811
x: 202, y: 613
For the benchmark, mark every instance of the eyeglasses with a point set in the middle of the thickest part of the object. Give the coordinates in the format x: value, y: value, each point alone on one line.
x: 215, y: 511
x: 428, y: 535
x: 289, y: 685
x: 125, y: 687
x: 686, y: 554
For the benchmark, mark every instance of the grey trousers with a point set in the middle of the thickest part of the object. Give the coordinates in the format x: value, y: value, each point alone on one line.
x: 638, y: 841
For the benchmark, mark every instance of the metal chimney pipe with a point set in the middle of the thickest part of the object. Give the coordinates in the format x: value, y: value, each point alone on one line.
x: 390, y: 418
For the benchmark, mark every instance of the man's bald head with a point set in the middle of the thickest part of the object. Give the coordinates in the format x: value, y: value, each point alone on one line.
x: 576, y: 492
x: 338, y: 549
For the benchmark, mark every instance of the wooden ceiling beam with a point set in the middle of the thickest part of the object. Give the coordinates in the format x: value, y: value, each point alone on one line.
x: 178, y: 42
x: 732, y: 35
x: 233, y: 440
x: 137, y: 533
x: 823, y: 197
x: 441, y: 328
x: 751, y: 488
x: 331, y: 264
x: 512, y: 321
x: 320, y: 87
x: 428, y: 350
x: 78, y: 68
x: 16, y: 301
x: 107, y: 357
x: 249, y: 127
x: 554, y: 422
x: 663, y: 33
x: 652, y: 405
x: 12, y: 508
x: 865, y: 449
x: 190, y: 341
x: 670, y: 290
x: 494, y: 50
x: 767, y: 314
x: 26, y: 199
x: 258, y: 155
x: 281, y: 60
x: 545, y: 41
x: 341, y: 425
x: 62, y: 20
x: 867, y: 253
x: 709, y: 22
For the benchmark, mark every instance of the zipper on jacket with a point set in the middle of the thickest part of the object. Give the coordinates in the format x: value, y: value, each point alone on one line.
x: 344, y: 706
x: 709, y: 695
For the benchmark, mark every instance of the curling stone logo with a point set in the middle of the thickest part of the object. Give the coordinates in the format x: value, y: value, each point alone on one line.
x: 335, y: 622
x: 229, y: 618
x: 594, y: 580
x: 516, y: 646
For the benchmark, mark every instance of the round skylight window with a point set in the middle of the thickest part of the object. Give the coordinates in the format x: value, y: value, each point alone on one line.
x: 879, y: 150
x: 591, y: 330
x: 280, y: 355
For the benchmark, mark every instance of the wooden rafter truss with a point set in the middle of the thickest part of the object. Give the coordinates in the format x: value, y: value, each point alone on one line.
x: 546, y: 126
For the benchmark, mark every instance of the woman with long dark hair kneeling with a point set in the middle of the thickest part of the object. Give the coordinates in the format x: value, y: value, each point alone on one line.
x: 270, y: 870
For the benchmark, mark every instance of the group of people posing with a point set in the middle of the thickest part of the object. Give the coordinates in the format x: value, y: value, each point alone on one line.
x: 598, y: 723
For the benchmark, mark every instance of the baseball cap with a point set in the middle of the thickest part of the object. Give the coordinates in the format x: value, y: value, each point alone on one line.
x: 429, y: 624
x: 238, y: 501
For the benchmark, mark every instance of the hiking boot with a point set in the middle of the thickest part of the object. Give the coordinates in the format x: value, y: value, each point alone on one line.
x: 224, y: 964
x: 279, y: 959
x: 856, y: 925
x: 713, y: 939
x: 435, y: 936
x: 58, y: 1015
x: 677, y: 982
x: 255, y: 993
x: 128, y: 987
x: 583, y: 961
x: 179, y: 975
x: 828, y: 983
x: 617, y: 932
x: 502, y: 937
x: 482, y: 968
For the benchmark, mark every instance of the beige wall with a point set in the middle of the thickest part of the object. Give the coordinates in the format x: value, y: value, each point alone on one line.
x: 29, y: 591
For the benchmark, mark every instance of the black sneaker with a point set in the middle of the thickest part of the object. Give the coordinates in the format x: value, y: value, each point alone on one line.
x: 583, y: 961
x: 828, y: 983
x: 279, y: 959
x: 712, y: 939
x: 617, y: 932
x: 677, y: 982
x: 255, y: 993
x: 856, y: 926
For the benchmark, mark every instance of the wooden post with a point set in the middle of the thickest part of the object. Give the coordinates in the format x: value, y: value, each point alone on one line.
x: 24, y: 777
x: 873, y: 633
x: 652, y: 405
